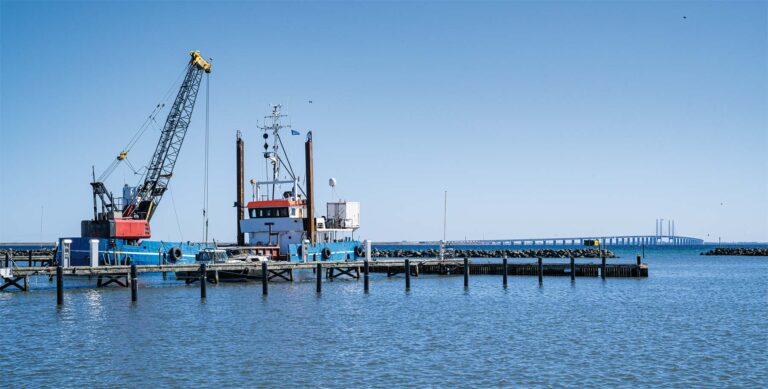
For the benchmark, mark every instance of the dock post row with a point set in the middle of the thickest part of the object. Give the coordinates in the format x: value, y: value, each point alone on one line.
x: 391, y: 267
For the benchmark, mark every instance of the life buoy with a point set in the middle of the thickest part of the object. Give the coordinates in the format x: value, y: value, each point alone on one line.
x: 359, y: 251
x: 174, y: 253
x: 326, y: 253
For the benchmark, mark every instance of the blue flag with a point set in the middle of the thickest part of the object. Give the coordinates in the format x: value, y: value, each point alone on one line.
x: 294, y: 132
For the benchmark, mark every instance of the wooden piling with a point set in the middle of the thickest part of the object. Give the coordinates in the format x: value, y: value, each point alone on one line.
x: 466, y: 272
x: 602, y: 268
x: 59, y: 285
x: 29, y: 258
x: 26, y: 283
x: 319, y: 275
x: 203, y: 281
x: 134, y: 284
x: 504, y: 271
x: 365, y: 275
x: 407, y: 274
x: 264, y: 278
x: 573, y: 269
x: 541, y: 271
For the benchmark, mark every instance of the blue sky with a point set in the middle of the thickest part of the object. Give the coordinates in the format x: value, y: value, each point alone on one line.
x: 539, y: 119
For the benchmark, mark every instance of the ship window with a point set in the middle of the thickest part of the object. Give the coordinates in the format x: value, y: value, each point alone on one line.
x: 269, y: 212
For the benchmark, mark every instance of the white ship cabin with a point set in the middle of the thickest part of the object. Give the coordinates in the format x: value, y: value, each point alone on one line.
x: 342, y: 219
x: 281, y: 222
x: 275, y: 222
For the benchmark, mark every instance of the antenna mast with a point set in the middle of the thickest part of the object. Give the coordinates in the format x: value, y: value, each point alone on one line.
x: 274, y: 155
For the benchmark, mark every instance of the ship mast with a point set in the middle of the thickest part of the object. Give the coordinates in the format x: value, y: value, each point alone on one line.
x: 273, y: 156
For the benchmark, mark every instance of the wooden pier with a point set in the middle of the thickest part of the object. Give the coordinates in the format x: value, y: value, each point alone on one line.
x: 266, y: 272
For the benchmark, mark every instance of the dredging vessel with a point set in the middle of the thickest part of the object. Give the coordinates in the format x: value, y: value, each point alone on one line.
x: 282, y: 224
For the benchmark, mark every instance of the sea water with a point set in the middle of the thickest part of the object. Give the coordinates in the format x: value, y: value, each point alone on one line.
x: 695, y: 321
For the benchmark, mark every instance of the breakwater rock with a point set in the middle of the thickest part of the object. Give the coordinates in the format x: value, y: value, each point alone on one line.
x: 753, y: 252
x: 458, y: 253
x: 23, y: 253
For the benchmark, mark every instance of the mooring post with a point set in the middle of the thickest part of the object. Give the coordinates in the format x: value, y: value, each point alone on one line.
x: 504, y: 271
x: 638, y: 265
x: 264, y: 278
x: 203, y: 281
x: 319, y: 275
x: 602, y: 268
x: 134, y: 284
x: 59, y: 285
x: 541, y: 271
x: 365, y: 275
x: 466, y: 272
x: 407, y: 274
x: 573, y: 269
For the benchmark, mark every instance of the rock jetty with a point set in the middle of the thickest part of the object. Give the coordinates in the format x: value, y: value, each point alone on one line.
x: 752, y: 252
x: 24, y: 253
x: 457, y: 253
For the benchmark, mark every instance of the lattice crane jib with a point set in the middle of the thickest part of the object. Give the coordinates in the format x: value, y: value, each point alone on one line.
x: 142, y: 205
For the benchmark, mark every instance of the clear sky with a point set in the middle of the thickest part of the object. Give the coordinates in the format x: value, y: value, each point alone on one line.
x: 539, y: 119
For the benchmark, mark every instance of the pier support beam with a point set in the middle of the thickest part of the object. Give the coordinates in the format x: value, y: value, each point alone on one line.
x: 113, y: 278
x: 319, y: 274
x: 14, y: 281
x: 365, y: 273
x: 343, y: 271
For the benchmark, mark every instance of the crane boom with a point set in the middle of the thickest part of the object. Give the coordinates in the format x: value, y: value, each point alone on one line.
x: 160, y: 170
x: 132, y: 221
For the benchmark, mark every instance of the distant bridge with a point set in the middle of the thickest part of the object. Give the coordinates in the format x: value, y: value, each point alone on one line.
x: 619, y: 240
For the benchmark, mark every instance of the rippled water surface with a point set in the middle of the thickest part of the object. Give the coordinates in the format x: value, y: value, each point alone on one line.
x: 696, y: 321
